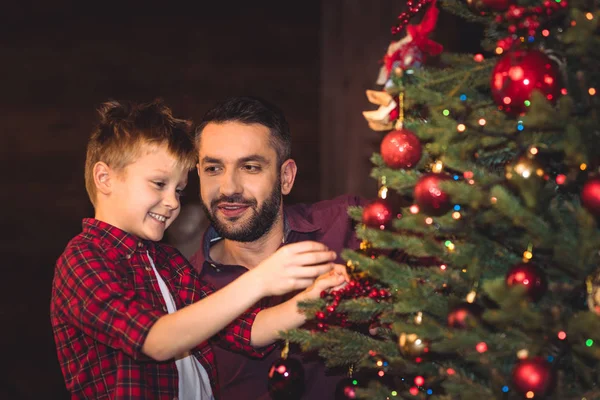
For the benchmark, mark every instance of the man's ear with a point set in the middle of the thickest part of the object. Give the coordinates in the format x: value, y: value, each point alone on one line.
x: 103, y: 174
x: 288, y: 175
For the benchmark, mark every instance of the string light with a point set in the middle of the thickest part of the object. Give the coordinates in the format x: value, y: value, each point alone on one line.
x: 419, y: 381
x: 493, y: 200
x: 499, y: 50
x: 414, y: 209
x: 562, y: 335
x: 481, y: 347
x: 429, y: 220
x: 443, y: 267
x: 437, y: 167
x: 583, y: 166
x: 482, y: 121
x: 589, y: 343
x: 446, y: 112
x: 456, y: 215
x: 592, y: 91
x: 414, y: 391
x: 471, y: 296
x: 461, y: 127
x: 589, y: 16
x: 522, y: 354
x: 533, y: 150
x: 545, y: 33
x: 478, y: 57
x: 530, y: 395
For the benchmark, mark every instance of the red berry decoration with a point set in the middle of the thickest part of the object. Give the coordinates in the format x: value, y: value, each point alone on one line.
x: 286, y: 379
x: 378, y: 214
x: 517, y: 74
x: 465, y: 315
x: 401, y: 149
x: 346, y: 389
x: 590, y: 196
x: 533, y: 375
x: 429, y: 197
x: 530, y: 276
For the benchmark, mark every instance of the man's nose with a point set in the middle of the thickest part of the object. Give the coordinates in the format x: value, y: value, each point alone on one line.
x: 230, y: 184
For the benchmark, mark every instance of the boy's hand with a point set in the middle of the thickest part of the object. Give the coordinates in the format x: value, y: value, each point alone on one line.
x: 294, y: 266
x: 335, y: 279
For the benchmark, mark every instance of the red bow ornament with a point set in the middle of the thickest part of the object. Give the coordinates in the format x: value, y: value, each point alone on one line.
x: 411, y: 50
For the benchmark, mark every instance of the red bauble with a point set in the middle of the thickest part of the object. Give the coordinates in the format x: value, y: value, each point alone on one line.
x: 481, y: 6
x: 590, y: 196
x: 465, y: 315
x: 286, y: 379
x: 533, y: 375
x: 518, y: 73
x: 429, y: 197
x: 378, y: 214
x: 530, y: 276
x: 346, y: 389
x: 401, y: 149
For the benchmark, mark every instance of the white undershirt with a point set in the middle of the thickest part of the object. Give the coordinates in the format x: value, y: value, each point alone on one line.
x: 194, y: 383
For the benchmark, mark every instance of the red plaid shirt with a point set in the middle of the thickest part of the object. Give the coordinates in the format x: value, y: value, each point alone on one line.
x: 105, y: 299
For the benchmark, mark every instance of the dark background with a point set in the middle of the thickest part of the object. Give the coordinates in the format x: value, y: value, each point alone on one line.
x: 61, y: 59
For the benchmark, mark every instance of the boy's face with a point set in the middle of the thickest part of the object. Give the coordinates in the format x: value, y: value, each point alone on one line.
x: 144, y: 198
x: 240, y: 181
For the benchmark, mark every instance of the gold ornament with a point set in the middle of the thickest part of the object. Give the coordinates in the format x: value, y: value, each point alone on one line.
x: 411, y: 345
x: 592, y: 284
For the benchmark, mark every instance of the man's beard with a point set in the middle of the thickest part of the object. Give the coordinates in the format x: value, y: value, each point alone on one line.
x: 260, y: 223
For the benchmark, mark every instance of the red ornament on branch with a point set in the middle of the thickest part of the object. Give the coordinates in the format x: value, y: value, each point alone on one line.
x: 429, y: 197
x: 533, y: 375
x: 517, y: 74
x: 286, y: 379
x: 401, y: 149
x: 378, y: 214
x: 528, y: 275
x: 590, y: 196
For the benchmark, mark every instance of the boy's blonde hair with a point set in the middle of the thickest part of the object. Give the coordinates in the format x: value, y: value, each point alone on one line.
x: 125, y: 128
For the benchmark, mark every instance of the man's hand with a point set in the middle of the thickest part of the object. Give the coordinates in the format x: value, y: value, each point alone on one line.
x: 293, y: 267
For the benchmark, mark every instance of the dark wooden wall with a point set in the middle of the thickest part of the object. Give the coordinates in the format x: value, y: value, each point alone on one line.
x: 61, y: 59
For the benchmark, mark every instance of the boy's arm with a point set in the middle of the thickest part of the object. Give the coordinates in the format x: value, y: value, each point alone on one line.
x: 292, y: 267
x: 269, y: 322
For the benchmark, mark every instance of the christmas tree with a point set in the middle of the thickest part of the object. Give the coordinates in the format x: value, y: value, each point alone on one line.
x: 478, y: 274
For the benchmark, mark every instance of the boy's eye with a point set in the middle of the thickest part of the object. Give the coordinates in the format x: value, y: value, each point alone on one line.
x: 159, y: 184
x: 180, y: 192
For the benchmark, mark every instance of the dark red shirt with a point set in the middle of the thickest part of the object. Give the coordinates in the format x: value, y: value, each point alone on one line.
x: 105, y: 298
x: 242, y: 377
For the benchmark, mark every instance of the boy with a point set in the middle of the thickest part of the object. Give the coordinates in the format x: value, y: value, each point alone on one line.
x: 130, y: 316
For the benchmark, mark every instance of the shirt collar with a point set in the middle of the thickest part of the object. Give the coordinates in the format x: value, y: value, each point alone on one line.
x: 112, y: 237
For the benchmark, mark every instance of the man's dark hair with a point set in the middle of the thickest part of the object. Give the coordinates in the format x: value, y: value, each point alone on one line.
x: 252, y: 110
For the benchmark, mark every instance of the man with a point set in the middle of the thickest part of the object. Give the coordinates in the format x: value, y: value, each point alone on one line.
x: 245, y: 169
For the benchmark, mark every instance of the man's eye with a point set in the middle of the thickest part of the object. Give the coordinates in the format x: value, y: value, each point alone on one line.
x: 211, y: 170
x: 252, y: 168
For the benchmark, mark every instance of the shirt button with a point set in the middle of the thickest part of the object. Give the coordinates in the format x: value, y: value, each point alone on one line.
x: 148, y: 269
x: 128, y: 256
x: 140, y: 244
x: 165, y: 310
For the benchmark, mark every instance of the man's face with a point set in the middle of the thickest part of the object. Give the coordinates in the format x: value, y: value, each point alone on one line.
x: 240, y: 183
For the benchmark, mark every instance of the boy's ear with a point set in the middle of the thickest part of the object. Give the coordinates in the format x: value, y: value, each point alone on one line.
x: 288, y: 175
x: 102, y: 177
